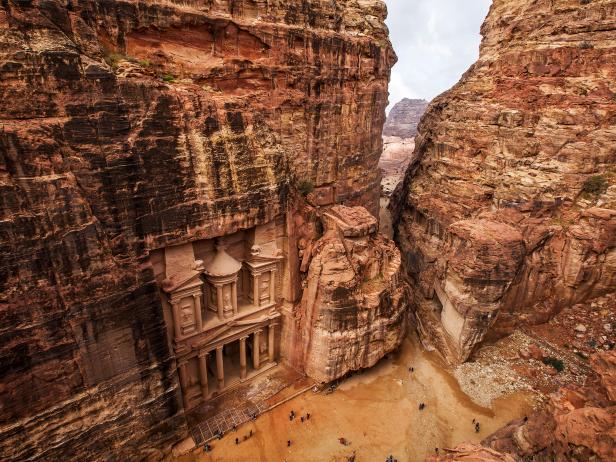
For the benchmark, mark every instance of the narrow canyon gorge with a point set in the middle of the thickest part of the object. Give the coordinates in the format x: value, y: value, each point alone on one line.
x: 208, y: 224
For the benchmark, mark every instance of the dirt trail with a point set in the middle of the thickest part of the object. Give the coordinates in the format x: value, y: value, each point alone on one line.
x: 377, y: 412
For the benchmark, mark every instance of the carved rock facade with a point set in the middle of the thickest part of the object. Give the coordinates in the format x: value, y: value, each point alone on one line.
x: 136, y: 136
x: 508, y: 209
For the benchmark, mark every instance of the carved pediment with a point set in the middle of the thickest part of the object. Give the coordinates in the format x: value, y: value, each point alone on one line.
x: 184, y: 281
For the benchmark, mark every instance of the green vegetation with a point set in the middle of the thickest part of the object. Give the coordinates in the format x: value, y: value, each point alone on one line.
x: 145, y: 63
x: 556, y: 363
x: 113, y: 59
x: 168, y: 78
x: 305, y: 187
x: 595, y: 185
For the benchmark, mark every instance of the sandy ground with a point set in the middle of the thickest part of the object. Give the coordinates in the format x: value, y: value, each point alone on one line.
x: 377, y: 412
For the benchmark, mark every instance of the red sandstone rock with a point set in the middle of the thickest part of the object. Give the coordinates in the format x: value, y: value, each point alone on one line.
x: 524, y: 141
x: 578, y: 424
x: 354, y: 307
x: 129, y: 126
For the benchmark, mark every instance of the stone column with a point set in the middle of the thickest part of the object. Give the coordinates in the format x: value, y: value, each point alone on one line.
x: 255, y: 290
x: 273, y: 286
x: 242, y: 358
x: 219, y: 301
x: 220, y: 369
x: 255, y: 349
x: 176, y: 321
x: 234, y: 296
x: 184, y: 383
x: 197, y: 303
x: 271, y: 336
x: 203, y: 374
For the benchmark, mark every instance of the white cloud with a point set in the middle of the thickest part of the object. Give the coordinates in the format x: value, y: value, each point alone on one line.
x: 436, y: 41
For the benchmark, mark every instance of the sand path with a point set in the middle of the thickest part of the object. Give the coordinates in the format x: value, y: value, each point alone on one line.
x: 377, y: 412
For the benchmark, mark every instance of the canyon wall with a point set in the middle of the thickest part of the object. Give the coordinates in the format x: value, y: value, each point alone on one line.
x: 507, y: 212
x: 129, y: 126
x: 404, y: 117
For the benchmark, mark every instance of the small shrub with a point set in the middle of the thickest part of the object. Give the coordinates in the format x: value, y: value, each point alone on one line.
x: 305, y: 187
x: 585, y: 2
x: 556, y: 363
x: 168, y: 78
x: 113, y: 59
x: 586, y: 45
x: 595, y: 185
x: 145, y: 63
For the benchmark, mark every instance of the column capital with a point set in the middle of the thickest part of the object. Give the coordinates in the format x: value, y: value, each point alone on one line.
x: 203, y: 354
x: 244, y: 337
x: 219, y: 348
x: 183, y: 362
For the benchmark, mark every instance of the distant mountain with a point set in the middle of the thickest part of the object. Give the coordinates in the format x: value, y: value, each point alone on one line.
x: 404, y: 117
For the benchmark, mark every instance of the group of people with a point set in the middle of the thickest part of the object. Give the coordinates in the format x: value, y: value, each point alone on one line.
x: 477, y: 426
x: 237, y: 440
x: 292, y: 416
x: 391, y: 459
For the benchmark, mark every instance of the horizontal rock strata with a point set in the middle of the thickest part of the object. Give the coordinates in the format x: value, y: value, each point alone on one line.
x: 128, y: 126
x: 508, y: 210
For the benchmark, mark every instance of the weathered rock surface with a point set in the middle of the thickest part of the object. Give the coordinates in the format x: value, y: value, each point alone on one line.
x: 579, y: 423
x: 507, y: 213
x: 129, y: 126
x: 404, y: 117
x: 354, y: 307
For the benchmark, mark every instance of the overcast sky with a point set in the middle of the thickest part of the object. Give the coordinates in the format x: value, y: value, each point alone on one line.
x: 436, y: 42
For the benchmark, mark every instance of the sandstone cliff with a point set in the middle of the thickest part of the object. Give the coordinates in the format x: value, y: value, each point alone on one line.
x: 128, y: 126
x: 404, y: 117
x: 507, y: 213
x: 353, y: 309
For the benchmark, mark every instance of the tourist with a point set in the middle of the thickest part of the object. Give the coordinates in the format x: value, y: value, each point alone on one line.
x: 302, y: 419
x: 436, y: 450
x: 308, y: 416
x: 477, y: 427
x: 237, y: 441
x: 250, y: 435
x: 288, y: 443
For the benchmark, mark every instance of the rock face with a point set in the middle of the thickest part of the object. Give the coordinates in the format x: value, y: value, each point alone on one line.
x: 404, y: 117
x: 579, y: 423
x: 353, y: 310
x: 129, y: 127
x: 508, y: 209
